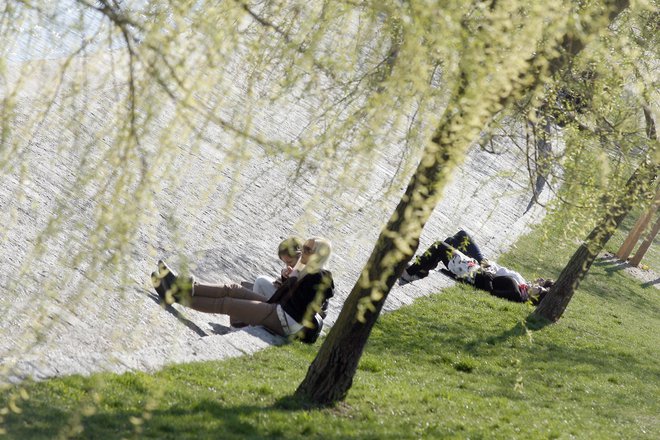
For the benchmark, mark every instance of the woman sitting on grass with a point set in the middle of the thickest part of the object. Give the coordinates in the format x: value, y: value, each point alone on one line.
x: 298, y: 298
x: 465, y: 262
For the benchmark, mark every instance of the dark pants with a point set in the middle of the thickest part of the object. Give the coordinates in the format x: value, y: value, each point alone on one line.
x: 501, y: 286
x: 442, y: 251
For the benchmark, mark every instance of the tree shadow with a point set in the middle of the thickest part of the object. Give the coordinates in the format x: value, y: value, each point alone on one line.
x: 205, y: 419
x: 535, y: 322
x: 651, y: 283
x: 296, y: 403
x: 610, y: 263
x: 531, y: 323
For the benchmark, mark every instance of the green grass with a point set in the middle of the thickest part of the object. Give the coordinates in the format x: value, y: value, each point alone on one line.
x: 459, y: 364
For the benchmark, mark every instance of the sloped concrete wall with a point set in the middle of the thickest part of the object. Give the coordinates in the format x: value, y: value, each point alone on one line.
x: 59, y: 318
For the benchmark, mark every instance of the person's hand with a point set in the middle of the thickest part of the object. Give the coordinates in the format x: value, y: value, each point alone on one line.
x: 286, y: 272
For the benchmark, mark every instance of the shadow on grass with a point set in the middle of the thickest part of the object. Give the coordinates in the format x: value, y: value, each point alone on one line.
x: 651, y: 283
x: 532, y: 323
x: 205, y: 419
x: 633, y: 292
x: 468, y: 331
x: 611, y: 263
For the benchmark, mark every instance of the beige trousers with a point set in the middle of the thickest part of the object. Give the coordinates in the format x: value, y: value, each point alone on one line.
x: 238, y: 302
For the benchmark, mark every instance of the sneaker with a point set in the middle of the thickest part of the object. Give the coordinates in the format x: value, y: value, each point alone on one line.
x: 164, y: 270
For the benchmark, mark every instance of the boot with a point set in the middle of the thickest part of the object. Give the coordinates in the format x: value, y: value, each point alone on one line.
x: 170, y: 287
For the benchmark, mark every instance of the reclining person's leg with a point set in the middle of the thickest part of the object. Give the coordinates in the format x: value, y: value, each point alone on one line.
x: 249, y: 312
x: 466, y: 244
x: 225, y: 291
x: 429, y: 260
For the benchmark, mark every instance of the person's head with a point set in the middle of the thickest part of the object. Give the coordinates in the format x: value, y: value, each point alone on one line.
x: 537, y: 293
x: 289, y: 250
x: 315, y: 254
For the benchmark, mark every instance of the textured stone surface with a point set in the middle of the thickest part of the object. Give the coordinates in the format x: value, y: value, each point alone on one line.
x: 59, y: 318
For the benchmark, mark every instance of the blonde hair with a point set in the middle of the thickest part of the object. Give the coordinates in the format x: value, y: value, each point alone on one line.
x: 320, y: 257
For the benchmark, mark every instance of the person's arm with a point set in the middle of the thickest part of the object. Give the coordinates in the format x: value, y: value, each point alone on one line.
x: 284, y: 291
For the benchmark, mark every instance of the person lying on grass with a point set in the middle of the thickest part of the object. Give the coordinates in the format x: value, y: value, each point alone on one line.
x: 300, y: 297
x: 464, y: 261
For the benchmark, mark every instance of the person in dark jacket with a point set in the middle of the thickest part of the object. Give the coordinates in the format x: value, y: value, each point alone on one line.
x: 297, y: 299
x: 464, y: 261
x: 289, y: 252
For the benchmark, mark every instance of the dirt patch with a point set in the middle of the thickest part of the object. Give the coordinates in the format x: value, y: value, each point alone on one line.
x: 647, y: 276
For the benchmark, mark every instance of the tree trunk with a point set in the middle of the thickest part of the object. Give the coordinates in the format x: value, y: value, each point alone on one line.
x: 543, y: 150
x: 639, y: 185
x: 646, y: 244
x: 330, y: 375
x: 633, y: 236
x: 471, y: 108
x: 555, y: 303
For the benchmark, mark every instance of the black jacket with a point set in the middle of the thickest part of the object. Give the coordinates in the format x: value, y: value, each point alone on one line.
x: 296, y: 294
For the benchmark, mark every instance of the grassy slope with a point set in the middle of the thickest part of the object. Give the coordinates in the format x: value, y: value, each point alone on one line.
x: 455, y: 365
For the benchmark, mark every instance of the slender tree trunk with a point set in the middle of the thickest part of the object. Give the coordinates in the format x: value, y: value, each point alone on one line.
x: 471, y: 108
x: 555, y: 303
x: 542, y: 162
x: 640, y: 185
x: 646, y: 244
x: 633, y: 236
x: 330, y: 376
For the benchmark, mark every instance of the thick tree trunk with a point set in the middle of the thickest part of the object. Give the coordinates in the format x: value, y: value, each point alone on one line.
x: 554, y: 304
x: 330, y: 376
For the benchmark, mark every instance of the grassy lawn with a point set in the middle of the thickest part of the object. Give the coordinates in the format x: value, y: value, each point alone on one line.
x: 459, y: 364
